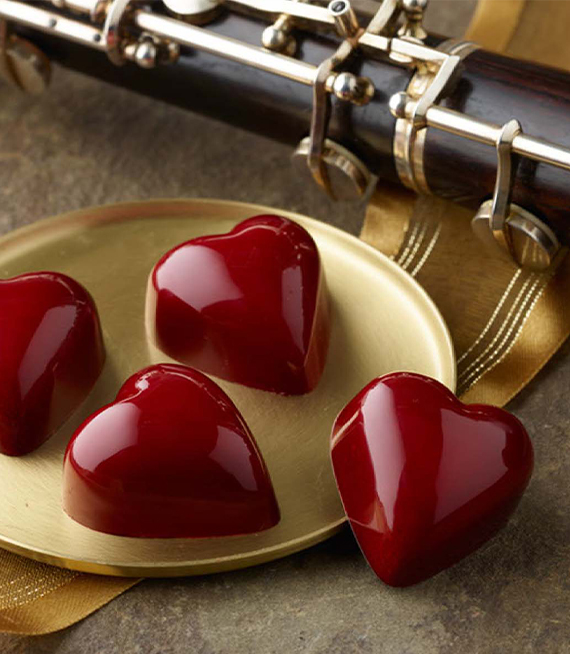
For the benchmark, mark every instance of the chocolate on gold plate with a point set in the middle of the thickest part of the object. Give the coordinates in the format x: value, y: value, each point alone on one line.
x: 51, y: 354
x: 425, y: 480
x: 249, y: 306
x: 381, y: 321
x: 172, y: 457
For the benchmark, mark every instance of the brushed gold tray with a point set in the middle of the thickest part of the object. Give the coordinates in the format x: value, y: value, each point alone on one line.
x: 382, y: 321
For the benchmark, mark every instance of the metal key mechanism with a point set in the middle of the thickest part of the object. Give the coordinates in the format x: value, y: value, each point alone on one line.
x: 150, y: 32
x: 95, y: 9
x: 147, y: 50
x: 335, y: 169
x: 278, y: 38
x: 414, y: 16
x: 196, y: 12
x: 347, y: 177
x: 425, y: 90
x: 514, y: 231
x: 22, y: 64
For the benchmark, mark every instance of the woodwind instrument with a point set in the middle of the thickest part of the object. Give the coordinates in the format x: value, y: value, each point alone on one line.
x: 362, y: 93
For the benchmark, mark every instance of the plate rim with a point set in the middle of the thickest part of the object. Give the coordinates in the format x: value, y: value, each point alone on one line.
x: 244, y: 559
x: 68, y: 216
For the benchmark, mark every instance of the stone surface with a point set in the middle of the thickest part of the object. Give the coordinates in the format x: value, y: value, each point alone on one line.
x: 84, y: 143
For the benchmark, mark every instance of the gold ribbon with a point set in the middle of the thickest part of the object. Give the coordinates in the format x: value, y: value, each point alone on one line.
x: 36, y: 598
x: 506, y: 324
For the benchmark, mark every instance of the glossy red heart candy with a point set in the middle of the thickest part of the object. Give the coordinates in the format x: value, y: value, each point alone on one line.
x: 424, y: 479
x: 171, y: 457
x: 51, y: 354
x: 249, y: 306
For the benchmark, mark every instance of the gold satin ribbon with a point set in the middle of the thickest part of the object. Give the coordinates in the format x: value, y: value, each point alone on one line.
x: 491, y: 307
x: 36, y: 598
x: 506, y: 324
x: 495, y: 22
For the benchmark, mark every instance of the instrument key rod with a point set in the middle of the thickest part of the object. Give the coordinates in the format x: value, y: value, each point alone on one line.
x: 482, y: 131
x: 53, y: 23
x: 447, y: 120
x: 250, y: 55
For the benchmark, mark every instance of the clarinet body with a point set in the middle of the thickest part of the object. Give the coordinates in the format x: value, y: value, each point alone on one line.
x: 485, y: 86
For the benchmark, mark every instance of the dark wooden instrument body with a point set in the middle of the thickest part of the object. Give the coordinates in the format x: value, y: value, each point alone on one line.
x: 491, y: 87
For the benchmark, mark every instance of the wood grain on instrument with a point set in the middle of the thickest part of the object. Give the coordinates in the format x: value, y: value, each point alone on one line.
x: 492, y: 87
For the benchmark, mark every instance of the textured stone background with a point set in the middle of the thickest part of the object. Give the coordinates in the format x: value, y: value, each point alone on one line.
x: 84, y: 143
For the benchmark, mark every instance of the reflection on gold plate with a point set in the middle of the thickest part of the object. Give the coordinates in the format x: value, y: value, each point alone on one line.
x: 382, y: 321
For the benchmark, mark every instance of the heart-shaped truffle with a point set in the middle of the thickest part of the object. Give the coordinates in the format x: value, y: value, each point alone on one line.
x: 171, y: 457
x: 51, y: 354
x: 424, y: 479
x: 249, y: 306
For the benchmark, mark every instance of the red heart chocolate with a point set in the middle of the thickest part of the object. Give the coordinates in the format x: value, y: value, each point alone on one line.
x: 249, y: 306
x: 51, y: 354
x: 424, y: 479
x: 170, y: 458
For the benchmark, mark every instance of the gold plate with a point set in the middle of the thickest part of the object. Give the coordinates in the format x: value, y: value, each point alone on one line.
x: 382, y: 321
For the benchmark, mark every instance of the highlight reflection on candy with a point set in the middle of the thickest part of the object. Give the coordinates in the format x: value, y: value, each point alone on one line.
x: 425, y: 480
x: 249, y: 306
x: 51, y: 354
x: 171, y: 457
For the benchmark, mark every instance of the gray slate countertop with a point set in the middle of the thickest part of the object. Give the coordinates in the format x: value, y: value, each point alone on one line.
x: 84, y: 143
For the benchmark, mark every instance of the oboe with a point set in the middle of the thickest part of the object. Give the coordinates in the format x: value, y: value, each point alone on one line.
x: 361, y: 94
